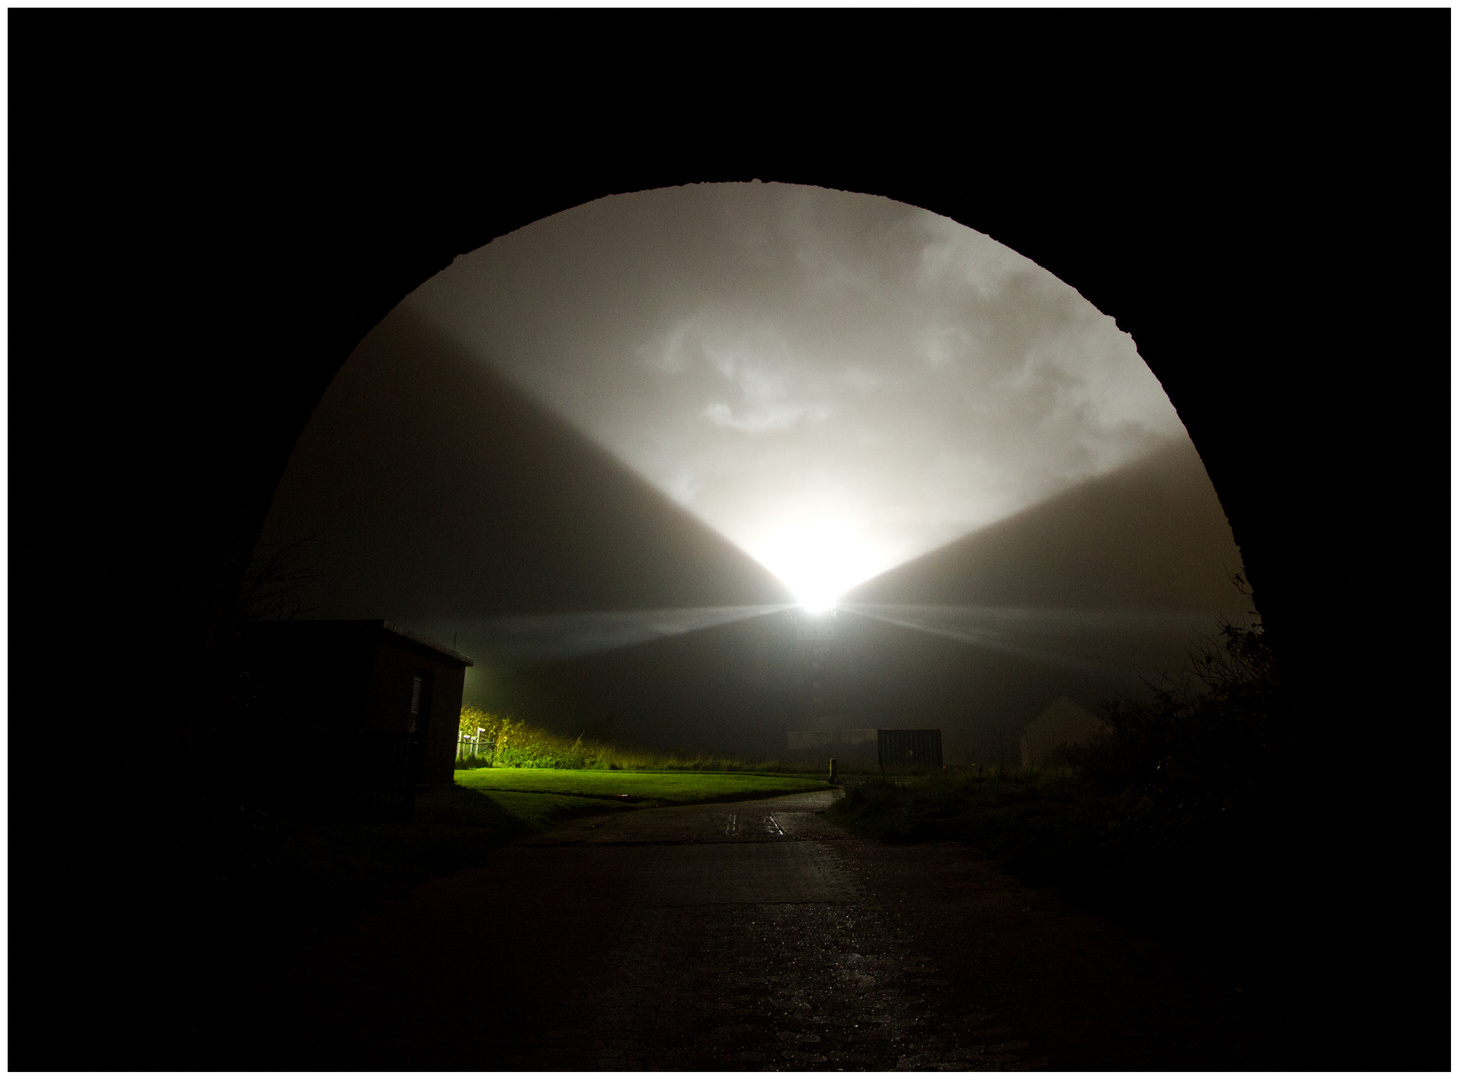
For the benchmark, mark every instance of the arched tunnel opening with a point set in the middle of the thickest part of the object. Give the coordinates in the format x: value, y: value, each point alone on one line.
x: 1291, y: 304
x: 672, y: 411
x: 1270, y: 519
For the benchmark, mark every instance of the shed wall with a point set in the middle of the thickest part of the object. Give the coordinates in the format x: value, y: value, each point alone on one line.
x: 910, y: 748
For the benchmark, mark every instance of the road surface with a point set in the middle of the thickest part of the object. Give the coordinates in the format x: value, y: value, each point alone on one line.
x: 744, y: 936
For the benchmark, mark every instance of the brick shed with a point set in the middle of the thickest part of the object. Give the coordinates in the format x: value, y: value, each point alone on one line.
x: 361, y: 698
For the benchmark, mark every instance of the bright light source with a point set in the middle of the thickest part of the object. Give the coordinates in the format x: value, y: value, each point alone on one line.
x: 818, y: 561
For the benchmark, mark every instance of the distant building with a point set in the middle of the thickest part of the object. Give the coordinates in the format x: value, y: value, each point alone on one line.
x: 909, y: 749
x: 362, y: 709
x: 853, y: 748
x: 893, y: 749
x: 1061, y: 726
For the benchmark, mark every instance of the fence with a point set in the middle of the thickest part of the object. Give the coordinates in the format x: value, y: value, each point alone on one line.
x: 909, y: 750
x: 474, y: 747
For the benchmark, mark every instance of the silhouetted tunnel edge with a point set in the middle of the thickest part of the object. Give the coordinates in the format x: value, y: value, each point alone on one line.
x: 1250, y: 249
x: 419, y: 262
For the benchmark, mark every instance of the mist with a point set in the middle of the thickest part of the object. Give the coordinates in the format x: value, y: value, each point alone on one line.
x: 608, y: 456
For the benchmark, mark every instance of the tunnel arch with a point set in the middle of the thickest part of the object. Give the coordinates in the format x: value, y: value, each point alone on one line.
x: 1190, y: 393
x: 1217, y: 329
x: 231, y: 218
x: 623, y: 223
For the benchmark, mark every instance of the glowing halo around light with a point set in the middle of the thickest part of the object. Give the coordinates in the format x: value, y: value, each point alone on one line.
x: 818, y: 561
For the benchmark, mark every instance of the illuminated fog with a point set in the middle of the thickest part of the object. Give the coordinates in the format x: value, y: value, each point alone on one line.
x: 835, y: 382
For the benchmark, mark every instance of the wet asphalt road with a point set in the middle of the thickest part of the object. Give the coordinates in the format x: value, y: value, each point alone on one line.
x: 746, y: 936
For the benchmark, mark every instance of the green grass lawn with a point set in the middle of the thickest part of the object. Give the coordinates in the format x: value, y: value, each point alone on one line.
x: 654, y: 788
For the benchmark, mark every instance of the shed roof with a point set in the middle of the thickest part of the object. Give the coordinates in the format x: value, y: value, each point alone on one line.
x: 1064, y: 714
x: 427, y: 642
x: 336, y: 627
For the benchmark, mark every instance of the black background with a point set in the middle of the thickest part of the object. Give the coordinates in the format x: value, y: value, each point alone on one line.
x: 208, y: 210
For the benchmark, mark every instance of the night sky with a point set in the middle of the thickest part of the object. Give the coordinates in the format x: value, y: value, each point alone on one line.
x: 607, y: 454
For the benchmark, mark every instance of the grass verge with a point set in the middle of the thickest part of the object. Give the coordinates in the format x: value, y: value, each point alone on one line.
x: 665, y: 788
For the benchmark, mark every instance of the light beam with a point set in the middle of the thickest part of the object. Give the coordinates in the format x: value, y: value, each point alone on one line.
x: 526, y: 639
x: 1079, y: 639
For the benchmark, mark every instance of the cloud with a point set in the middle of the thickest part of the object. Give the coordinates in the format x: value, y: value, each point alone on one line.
x: 764, y: 393
x: 954, y: 257
x: 767, y: 418
x: 866, y: 381
x: 766, y: 353
x: 666, y: 352
x: 947, y: 348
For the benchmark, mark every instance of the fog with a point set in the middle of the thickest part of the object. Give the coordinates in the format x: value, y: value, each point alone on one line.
x: 607, y: 455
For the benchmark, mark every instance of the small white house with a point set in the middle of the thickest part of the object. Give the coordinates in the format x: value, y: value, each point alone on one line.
x: 1063, y: 723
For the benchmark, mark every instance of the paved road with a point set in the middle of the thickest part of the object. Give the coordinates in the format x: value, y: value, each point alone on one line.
x: 746, y: 936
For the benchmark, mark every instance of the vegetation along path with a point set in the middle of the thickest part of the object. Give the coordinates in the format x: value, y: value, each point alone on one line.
x: 746, y: 935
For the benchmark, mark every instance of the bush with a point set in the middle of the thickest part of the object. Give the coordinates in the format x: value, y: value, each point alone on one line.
x: 1173, y: 817
x: 517, y: 744
x: 1182, y: 786
x: 1203, y: 741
